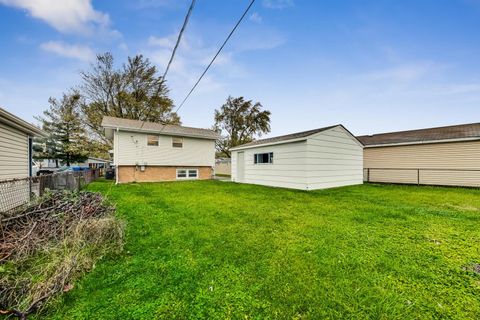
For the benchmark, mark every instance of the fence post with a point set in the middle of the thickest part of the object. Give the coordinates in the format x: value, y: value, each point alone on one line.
x: 418, y: 177
x: 368, y: 174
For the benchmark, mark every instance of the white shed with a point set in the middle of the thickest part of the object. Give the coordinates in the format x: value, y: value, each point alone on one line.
x: 315, y: 159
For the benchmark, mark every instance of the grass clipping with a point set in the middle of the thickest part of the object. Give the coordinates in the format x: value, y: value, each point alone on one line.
x: 48, y: 244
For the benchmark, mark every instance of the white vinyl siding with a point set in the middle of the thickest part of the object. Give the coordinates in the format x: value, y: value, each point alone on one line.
x: 130, y: 148
x: 287, y: 170
x: 334, y: 159
x: 14, y: 160
x: 331, y: 158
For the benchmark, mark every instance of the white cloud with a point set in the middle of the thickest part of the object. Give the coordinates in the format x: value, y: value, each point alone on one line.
x: 256, y: 17
x: 277, y: 4
x: 80, y: 52
x: 404, y: 72
x: 67, y: 16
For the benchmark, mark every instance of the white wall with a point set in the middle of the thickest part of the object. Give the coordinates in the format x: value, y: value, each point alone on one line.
x: 131, y: 148
x: 328, y: 159
x: 334, y: 159
x: 288, y: 169
x: 13, y: 153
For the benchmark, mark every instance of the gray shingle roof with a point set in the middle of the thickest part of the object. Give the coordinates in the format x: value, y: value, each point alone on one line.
x: 462, y: 131
x: 136, y: 125
x: 292, y: 136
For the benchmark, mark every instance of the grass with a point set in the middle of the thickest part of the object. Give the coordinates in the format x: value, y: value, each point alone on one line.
x: 210, y: 249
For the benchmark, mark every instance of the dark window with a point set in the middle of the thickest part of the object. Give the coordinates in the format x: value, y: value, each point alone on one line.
x: 177, y: 142
x: 263, y: 157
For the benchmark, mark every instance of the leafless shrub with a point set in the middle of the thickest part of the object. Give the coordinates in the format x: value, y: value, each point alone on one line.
x: 47, y: 245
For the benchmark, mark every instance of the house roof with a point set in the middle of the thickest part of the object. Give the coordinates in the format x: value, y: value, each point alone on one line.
x: 297, y: 136
x: 439, y: 134
x: 146, y: 126
x: 13, y: 121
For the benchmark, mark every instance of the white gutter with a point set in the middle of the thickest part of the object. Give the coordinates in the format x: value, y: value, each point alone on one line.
x: 166, y: 133
x: 421, y: 142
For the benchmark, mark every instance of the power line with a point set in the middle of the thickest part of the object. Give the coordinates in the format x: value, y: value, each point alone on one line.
x: 216, y: 55
x: 179, y: 38
x: 185, y: 22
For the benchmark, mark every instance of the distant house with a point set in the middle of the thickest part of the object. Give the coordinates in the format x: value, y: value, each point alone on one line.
x: 147, y: 151
x: 16, y: 146
x: 315, y: 159
x: 434, y: 156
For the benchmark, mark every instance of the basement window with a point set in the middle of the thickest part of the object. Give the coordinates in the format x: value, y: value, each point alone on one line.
x: 152, y: 140
x: 177, y: 142
x: 187, y: 173
x: 263, y: 158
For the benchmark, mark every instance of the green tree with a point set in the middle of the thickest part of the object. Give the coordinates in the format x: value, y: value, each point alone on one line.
x: 134, y: 91
x: 66, y: 136
x: 239, y: 122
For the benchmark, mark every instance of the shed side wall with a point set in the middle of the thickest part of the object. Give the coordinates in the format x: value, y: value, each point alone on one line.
x: 334, y: 159
x: 288, y: 169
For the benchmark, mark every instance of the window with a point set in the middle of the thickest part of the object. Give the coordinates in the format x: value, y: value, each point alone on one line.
x: 263, y: 158
x: 177, y: 142
x: 181, y: 174
x: 187, y: 173
x: 152, y: 140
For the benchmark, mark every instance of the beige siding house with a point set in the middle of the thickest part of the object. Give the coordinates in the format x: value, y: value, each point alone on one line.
x: 316, y: 159
x: 148, y: 152
x: 435, y: 156
x: 15, y: 146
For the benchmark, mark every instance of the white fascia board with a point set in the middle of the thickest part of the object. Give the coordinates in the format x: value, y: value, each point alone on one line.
x: 160, y: 132
x: 270, y: 144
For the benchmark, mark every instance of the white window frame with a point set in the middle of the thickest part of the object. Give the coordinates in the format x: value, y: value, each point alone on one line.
x: 270, y: 158
x: 187, y: 173
x: 158, y: 140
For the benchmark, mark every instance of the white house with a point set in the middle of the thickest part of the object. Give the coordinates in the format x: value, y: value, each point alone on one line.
x: 16, y: 146
x: 315, y: 159
x: 147, y: 152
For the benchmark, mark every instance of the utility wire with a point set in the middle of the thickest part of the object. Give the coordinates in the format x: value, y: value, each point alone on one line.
x: 216, y: 55
x: 185, y: 22
x: 179, y: 38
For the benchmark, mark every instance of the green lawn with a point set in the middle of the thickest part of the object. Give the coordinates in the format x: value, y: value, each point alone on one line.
x: 211, y: 249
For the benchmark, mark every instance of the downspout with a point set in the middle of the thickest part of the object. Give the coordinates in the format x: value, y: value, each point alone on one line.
x: 115, y: 155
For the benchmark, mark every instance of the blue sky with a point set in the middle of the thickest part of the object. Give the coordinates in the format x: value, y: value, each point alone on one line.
x: 374, y: 66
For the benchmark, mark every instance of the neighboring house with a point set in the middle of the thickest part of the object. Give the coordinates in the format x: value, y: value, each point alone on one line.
x: 223, y: 166
x: 16, y: 146
x: 434, y: 156
x: 316, y: 159
x: 147, y: 151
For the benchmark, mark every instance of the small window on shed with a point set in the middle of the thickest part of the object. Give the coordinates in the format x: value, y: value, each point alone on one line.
x: 152, y: 140
x: 177, y: 142
x: 263, y: 158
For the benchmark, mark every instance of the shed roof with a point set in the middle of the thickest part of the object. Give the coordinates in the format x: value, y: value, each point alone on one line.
x: 13, y: 121
x: 286, y: 138
x: 168, y: 129
x: 457, y: 132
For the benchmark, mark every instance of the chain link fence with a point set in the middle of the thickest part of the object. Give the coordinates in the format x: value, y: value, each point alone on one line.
x: 17, y: 192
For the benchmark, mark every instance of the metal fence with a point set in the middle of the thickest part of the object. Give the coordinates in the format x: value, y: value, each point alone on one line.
x: 424, y: 176
x: 17, y: 192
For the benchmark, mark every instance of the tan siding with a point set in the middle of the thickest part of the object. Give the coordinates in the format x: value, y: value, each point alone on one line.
x: 453, y: 155
x: 13, y: 153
